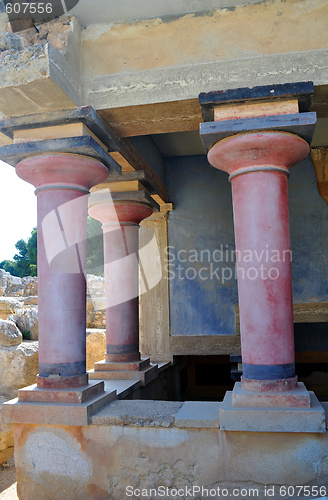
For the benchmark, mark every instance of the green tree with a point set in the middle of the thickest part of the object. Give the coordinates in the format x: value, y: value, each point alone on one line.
x: 24, y: 262
x: 95, y: 253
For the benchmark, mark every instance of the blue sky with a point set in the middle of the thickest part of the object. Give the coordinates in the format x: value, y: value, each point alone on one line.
x: 17, y: 210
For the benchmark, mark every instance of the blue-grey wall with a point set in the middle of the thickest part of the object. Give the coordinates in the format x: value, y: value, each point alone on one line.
x: 200, y: 303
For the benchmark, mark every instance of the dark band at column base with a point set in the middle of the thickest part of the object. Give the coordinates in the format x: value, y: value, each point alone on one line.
x: 268, y: 372
x: 62, y: 369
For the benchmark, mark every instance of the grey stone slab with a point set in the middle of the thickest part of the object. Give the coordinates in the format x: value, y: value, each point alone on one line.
x: 122, y: 387
x: 199, y: 414
x: 272, y: 419
x: 138, y: 413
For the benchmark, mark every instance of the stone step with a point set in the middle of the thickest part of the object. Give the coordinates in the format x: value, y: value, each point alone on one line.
x: 77, y: 395
x: 295, y: 398
x: 140, y: 365
x: 145, y: 376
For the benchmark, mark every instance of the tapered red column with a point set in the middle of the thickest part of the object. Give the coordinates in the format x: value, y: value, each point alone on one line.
x: 258, y: 165
x: 120, y: 221
x: 62, y: 182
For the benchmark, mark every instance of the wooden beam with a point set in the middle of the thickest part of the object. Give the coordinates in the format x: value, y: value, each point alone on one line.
x: 159, y: 118
x: 194, y: 345
x: 306, y: 312
x: 130, y: 159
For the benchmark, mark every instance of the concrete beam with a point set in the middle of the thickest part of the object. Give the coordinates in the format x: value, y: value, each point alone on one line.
x: 35, y: 80
x: 187, y: 81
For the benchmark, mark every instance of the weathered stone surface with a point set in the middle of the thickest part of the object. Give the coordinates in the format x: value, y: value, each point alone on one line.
x: 15, y: 287
x: 8, y: 306
x: 6, y: 437
x: 31, y: 301
x: 19, y: 367
x: 11, y: 41
x: 96, y: 346
x: 30, y: 285
x: 101, y: 461
x: 138, y: 413
x: 3, y: 281
x: 9, y: 333
x: 26, y: 318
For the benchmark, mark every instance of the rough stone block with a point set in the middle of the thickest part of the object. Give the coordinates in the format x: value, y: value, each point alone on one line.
x: 19, y: 367
x: 8, y: 306
x: 6, y: 437
x: 9, y: 333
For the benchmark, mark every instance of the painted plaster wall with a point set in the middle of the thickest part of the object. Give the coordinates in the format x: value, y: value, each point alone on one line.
x: 101, y: 461
x: 271, y: 27
x: 203, y: 220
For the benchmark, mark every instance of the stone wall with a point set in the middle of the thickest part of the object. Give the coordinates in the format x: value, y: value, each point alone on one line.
x: 19, y: 356
x: 18, y: 302
x: 135, y: 446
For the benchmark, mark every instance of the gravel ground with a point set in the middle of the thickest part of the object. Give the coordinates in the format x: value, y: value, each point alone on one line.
x: 8, y: 481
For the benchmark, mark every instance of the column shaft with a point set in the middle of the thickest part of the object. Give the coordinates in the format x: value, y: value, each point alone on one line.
x: 120, y: 225
x: 260, y: 204
x: 121, y: 285
x: 258, y: 165
x: 62, y: 182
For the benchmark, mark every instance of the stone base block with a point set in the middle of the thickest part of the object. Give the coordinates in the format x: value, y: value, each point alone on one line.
x: 57, y: 407
x: 144, y: 375
x: 107, y: 366
x: 78, y: 395
x: 296, y: 398
x: 54, y: 412
x: 266, y: 419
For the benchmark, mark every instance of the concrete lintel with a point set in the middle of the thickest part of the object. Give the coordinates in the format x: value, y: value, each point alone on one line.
x: 197, y: 414
x: 301, y: 124
x: 301, y: 91
x: 266, y: 419
x: 187, y: 82
x: 82, y: 145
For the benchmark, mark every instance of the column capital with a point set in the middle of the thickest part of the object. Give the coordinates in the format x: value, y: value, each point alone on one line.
x: 258, y: 151
x: 114, y: 213
x: 61, y: 171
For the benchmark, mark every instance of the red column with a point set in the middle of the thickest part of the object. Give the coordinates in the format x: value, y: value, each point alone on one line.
x: 62, y: 182
x: 258, y: 165
x: 120, y: 222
